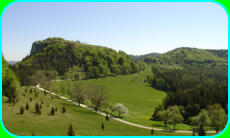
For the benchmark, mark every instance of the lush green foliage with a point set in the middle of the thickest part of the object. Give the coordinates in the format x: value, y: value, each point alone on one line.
x: 194, y: 57
x: 10, y: 84
x: 193, y: 78
x: 59, y: 55
x: 172, y: 116
x: 217, y: 116
x: 201, y: 120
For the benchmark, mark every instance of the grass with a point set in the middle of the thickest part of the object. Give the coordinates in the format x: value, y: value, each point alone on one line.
x: 85, y: 122
x: 130, y: 90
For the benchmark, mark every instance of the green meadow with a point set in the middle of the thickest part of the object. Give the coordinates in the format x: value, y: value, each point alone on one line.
x: 84, y: 122
x: 130, y: 90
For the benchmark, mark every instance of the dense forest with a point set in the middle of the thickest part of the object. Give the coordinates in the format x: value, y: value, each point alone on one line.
x: 56, y: 57
x: 193, y: 78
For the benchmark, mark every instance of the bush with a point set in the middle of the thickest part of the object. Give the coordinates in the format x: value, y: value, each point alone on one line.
x: 120, y: 108
x: 102, y: 126
x: 37, y: 109
x: 27, y: 106
x: 22, y: 110
x: 45, y: 92
x: 52, y: 112
x: 31, y: 90
x: 107, y: 117
x: 63, y: 109
x: 152, y: 131
x: 71, y: 131
x: 36, y: 95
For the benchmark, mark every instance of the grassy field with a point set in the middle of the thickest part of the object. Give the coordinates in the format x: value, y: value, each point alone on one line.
x: 130, y: 90
x: 85, y: 122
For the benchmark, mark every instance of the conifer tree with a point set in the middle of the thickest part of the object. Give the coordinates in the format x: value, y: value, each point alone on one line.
x: 71, y: 131
x: 27, y: 106
x: 52, y: 112
x: 22, y: 110
x: 102, y: 126
x: 37, y: 109
x: 63, y: 109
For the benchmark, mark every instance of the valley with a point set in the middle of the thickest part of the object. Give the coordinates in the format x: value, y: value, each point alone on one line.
x: 156, y: 91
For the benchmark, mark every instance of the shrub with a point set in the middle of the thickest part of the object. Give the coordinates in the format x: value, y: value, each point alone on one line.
x: 52, y: 112
x: 27, y: 106
x: 63, y: 109
x: 37, y: 109
x: 107, y: 117
x: 102, y: 126
x: 31, y: 90
x: 36, y: 95
x: 71, y: 131
x: 120, y: 108
x: 22, y: 110
x: 152, y: 131
x: 45, y: 92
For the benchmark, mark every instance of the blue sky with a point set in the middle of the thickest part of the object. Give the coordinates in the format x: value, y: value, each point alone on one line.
x: 136, y: 28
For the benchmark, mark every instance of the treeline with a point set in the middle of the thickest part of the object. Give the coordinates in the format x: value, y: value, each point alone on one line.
x: 57, y: 55
x: 173, y: 79
x: 191, y: 87
x: 214, y: 116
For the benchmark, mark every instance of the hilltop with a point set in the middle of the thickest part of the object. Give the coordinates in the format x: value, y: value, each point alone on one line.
x: 58, y: 57
x: 192, y: 57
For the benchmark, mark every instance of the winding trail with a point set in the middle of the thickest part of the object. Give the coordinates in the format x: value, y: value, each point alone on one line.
x: 115, y: 118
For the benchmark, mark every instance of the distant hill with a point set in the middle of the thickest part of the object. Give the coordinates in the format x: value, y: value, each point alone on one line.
x: 57, y: 56
x: 141, y: 57
x: 12, y: 62
x: 193, y: 57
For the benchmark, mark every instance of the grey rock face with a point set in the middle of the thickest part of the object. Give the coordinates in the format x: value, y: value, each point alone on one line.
x: 36, y: 47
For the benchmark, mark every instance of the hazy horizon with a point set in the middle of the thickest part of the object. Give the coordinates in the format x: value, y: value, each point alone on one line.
x: 136, y: 28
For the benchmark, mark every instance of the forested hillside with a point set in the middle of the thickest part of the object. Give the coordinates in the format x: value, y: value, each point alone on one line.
x: 56, y: 56
x: 194, y: 57
x: 193, y: 78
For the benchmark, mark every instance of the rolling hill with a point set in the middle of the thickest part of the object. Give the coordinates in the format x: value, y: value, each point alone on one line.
x: 194, y: 57
x: 56, y: 56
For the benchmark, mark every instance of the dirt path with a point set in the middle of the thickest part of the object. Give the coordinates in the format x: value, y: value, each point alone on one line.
x: 115, y: 118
